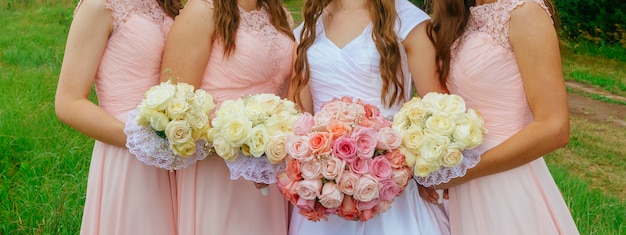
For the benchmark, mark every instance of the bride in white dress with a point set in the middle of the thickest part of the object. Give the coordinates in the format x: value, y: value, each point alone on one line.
x: 339, y: 54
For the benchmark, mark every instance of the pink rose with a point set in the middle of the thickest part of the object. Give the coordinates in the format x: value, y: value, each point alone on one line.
x: 347, y: 182
x: 361, y: 165
x: 360, y: 205
x: 293, y: 169
x: 381, y: 121
x: 345, y: 148
x: 331, y: 196
x: 388, y: 139
x: 396, y: 158
x: 367, y: 214
x: 309, y: 189
x: 333, y: 106
x: 401, y: 176
x: 366, y: 188
x: 383, y: 206
x: 346, y: 99
x: 317, y: 214
x: 306, y: 205
x: 381, y: 168
x: 366, y: 122
x: 389, y: 190
x: 287, y: 187
x: 366, y: 139
x: 320, y: 142
x: 311, y: 169
x: 332, y: 168
x: 303, y: 125
x: 348, y: 209
x: 298, y: 147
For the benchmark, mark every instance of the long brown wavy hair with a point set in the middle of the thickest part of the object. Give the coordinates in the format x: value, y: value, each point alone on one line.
x: 383, y: 15
x: 450, y: 19
x: 227, y: 20
x: 171, y: 7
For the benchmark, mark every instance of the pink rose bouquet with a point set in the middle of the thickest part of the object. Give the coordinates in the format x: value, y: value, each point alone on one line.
x: 344, y: 161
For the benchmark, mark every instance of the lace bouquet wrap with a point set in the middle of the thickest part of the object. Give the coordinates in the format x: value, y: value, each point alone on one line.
x: 169, y: 128
x: 344, y: 161
x: 440, y: 137
x: 250, y: 133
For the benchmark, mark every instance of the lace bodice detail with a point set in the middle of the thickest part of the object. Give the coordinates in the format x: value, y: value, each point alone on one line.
x: 493, y: 20
x: 122, y: 10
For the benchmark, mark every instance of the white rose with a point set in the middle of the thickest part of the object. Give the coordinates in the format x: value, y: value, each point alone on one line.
x: 276, y: 150
x: 452, y: 104
x: 158, y: 96
x: 468, y: 134
x: 322, y: 118
x: 224, y: 149
x: 185, y: 149
x: 184, y: 91
x: 440, y: 125
x: 204, y: 101
x: 478, y: 119
x: 433, y: 147
x: 452, y: 157
x: 401, y: 121
x: 142, y: 118
x: 158, y: 121
x: 229, y: 109
x: 237, y: 131
x: 176, y: 108
x: 178, y: 132
x: 257, y: 141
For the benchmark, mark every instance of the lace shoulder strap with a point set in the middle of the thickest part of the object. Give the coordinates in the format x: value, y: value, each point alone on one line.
x: 122, y: 10
x: 501, y: 14
x: 510, y: 5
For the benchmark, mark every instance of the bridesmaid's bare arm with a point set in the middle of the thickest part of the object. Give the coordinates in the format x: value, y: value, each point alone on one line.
x: 305, y: 95
x: 538, y: 57
x: 188, y: 43
x: 421, y: 58
x: 86, y: 41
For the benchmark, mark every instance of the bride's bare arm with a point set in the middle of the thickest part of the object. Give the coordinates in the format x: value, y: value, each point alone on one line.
x: 86, y: 41
x: 188, y: 43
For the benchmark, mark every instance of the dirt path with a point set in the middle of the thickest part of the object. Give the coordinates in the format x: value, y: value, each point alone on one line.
x: 595, y: 110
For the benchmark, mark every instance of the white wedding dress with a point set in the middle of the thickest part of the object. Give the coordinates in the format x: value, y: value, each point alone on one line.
x: 354, y: 71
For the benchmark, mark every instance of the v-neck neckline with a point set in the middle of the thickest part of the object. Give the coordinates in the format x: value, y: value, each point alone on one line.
x: 349, y: 42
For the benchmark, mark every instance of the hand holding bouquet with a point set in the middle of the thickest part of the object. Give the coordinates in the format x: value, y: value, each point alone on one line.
x: 169, y: 128
x: 436, y: 130
x: 344, y: 161
x: 250, y: 133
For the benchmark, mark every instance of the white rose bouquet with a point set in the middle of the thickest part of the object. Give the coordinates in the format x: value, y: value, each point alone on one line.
x: 250, y: 133
x: 169, y: 128
x: 437, y: 135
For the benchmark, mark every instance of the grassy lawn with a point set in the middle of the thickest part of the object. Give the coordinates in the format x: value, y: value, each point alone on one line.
x: 44, y: 164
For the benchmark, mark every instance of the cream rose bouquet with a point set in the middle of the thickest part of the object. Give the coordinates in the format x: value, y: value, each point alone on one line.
x: 344, y: 161
x: 169, y: 128
x: 250, y: 133
x: 438, y: 133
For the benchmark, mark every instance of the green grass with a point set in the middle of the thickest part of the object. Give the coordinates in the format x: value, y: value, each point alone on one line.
x: 44, y: 163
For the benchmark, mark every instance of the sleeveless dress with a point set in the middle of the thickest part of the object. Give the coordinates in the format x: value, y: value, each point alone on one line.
x: 524, y: 200
x: 209, y: 202
x: 354, y: 71
x: 124, y: 195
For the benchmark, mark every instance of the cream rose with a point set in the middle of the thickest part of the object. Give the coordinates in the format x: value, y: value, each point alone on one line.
x: 409, y: 156
x: 331, y: 197
x: 424, y: 168
x: 413, y: 139
x: 468, y: 134
x: 184, y: 91
x: 185, y: 149
x: 366, y: 188
x: 177, y: 108
x: 440, y: 125
x: 388, y: 139
x: 433, y: 147
x: 311, y: 169
x: 258, y: 140
x: 275, y: 149
x: 178, y: 132
x: 203, y: 100
x: 332, y: 167
x: 309, y: 189
x: 452, y: 157
x: 224, y: 149
x: 158, y: 121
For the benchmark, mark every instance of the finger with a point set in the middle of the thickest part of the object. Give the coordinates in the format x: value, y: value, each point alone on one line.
x: 260, y: 185
x: 445, y: 194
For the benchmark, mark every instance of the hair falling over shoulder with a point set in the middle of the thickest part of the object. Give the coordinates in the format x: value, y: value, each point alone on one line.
x: 227, y: 20
x: 450, y: 18
x: 171, y: 7
x: 383, y: 16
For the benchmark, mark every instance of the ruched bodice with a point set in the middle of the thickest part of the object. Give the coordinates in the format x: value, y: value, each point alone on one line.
x: 484, y: 71
x: 131, y: 62
x: 260, y: 63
